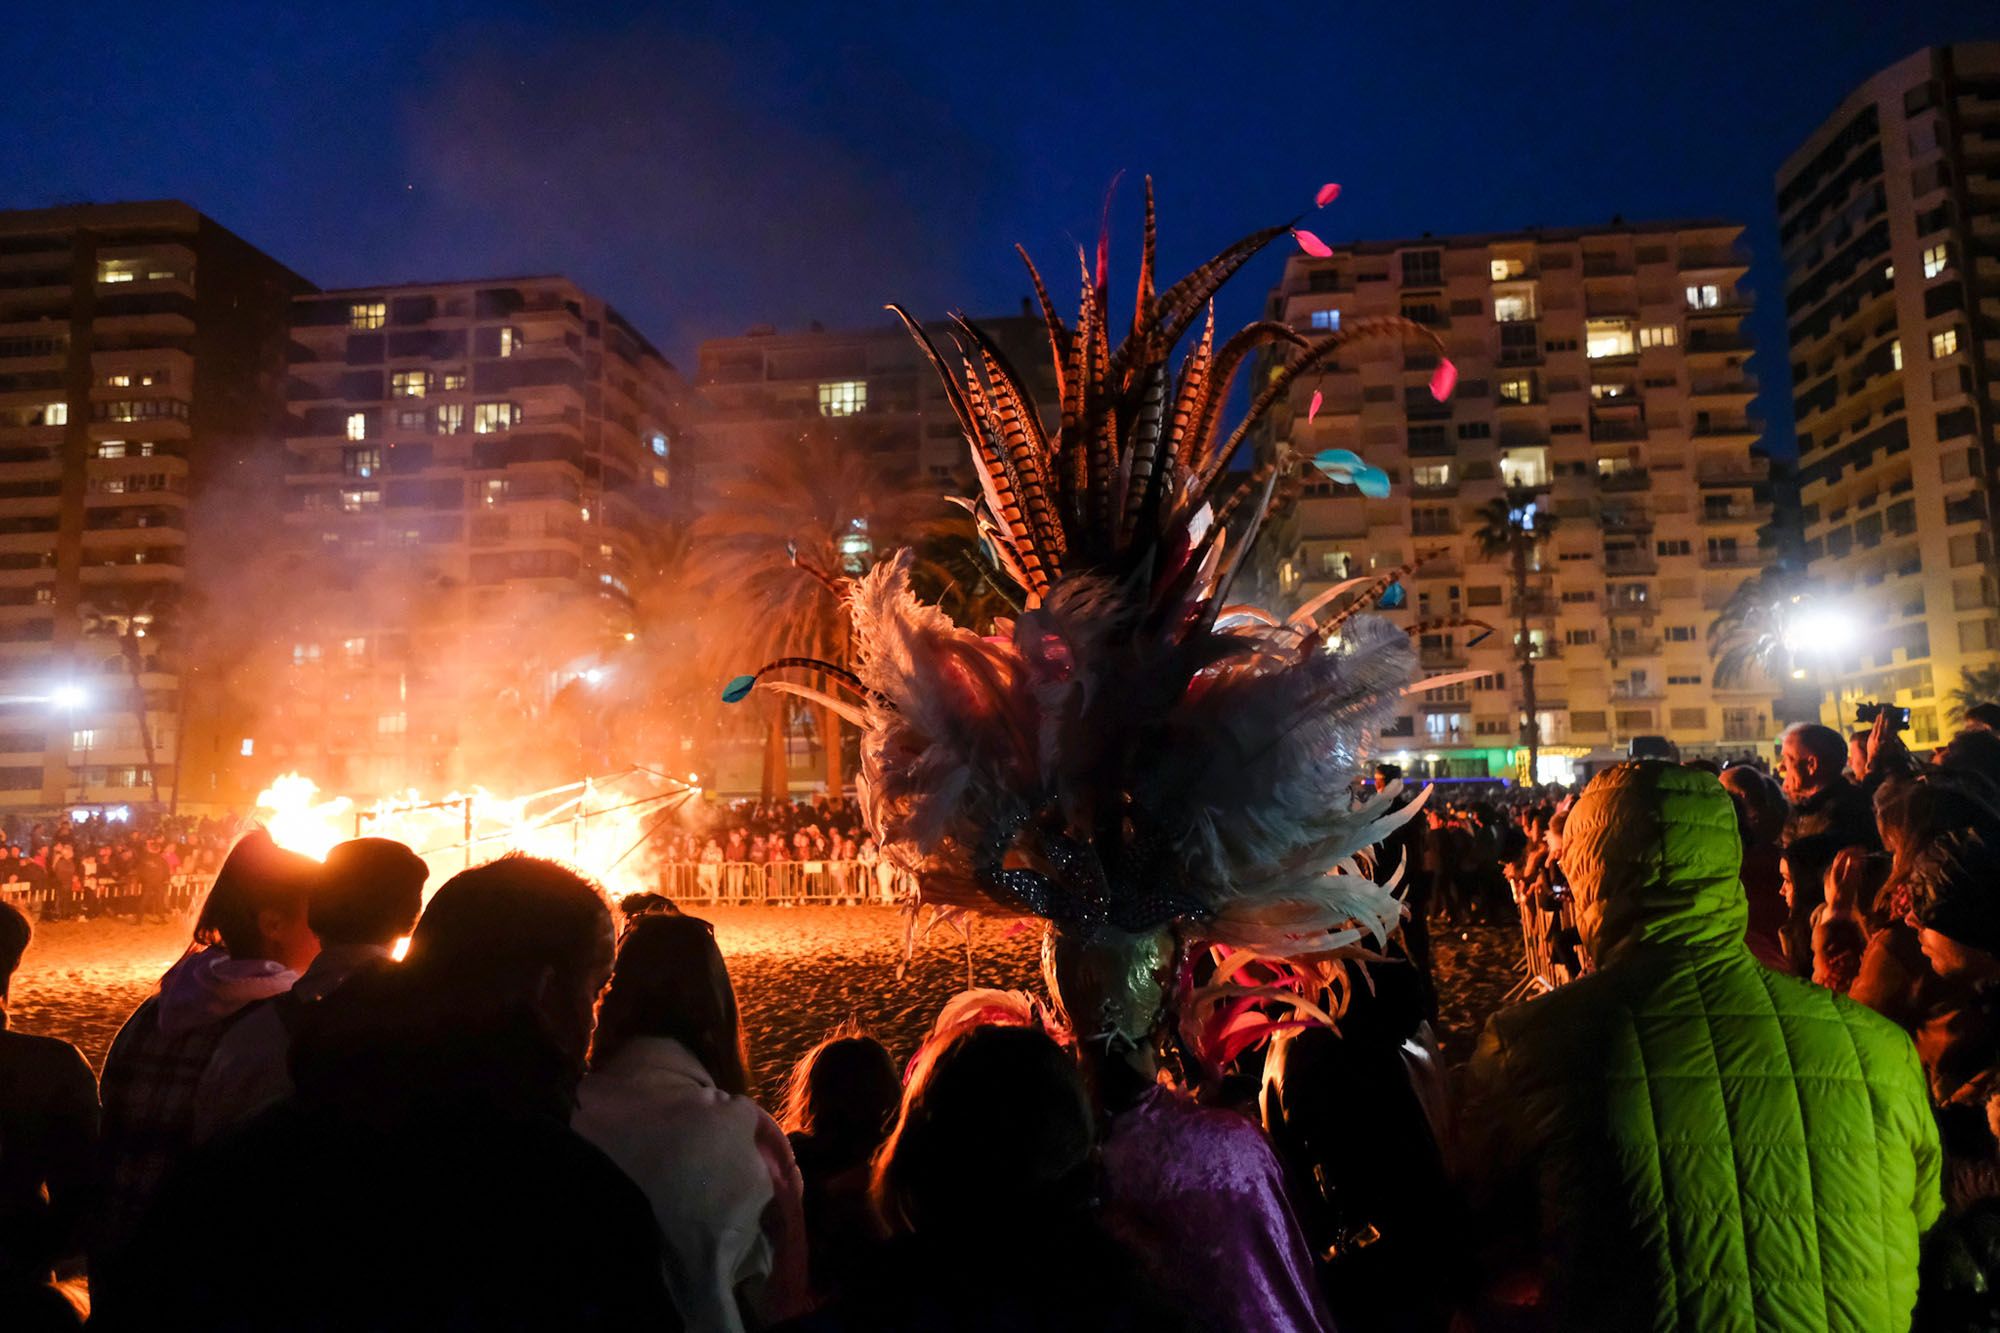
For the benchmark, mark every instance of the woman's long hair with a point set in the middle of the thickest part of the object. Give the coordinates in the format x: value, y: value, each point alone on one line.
x: 1911, y: 812
x: 669, y: 980
x: 843, y: 1091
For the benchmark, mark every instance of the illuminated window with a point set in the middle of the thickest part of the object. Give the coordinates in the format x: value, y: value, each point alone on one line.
x: 454, y: 380
x: 1611, y: 467
x: 843, y: 398
x: 409, y: 384
x: 1517, y: 391
x: 363, y: 463
x: 1603, y: 391
x: 356, y: 501
x: 451, y: 419
x: 357, y: 425
x: 1525, y: 467
x: 1706, y: 296
x: 112, y: 270
x: 1607, y: 337
x: 117, y: 381
x: 111, y: 449
x: 659, y: 445
x: 1514, y: 306
x: 55, y: 414
x: 659, y: 476
x: 1431, y: 474
x: 304, y: 652
x: 1659, y: 335
x: 1945, y: 343
x: 1896, y: 354
x: 492, y: 418
x: 493, y: 490
x: 1504, y: 269
x: 1327, y: 320
x: 392, y: 724
x: 367, y: 315
x: 354, y: 648
x: 1935, y: 259
x: 510, y: 341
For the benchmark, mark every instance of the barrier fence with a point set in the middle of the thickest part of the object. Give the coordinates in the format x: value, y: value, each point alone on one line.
x: 1547, y: 923
x: 102, y: 895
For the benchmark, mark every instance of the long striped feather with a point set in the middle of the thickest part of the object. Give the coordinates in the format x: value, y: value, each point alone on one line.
x: 1058, y: 332
x: 1222, y: 381
x: 1026, y: 450
x: 1142, y: 306
x: 1192, y: 392
x: 1175, y: 309
x: 1143, y: 455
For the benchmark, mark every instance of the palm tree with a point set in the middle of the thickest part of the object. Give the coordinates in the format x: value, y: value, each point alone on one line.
x: 1976, y: 685
x: 1749, y: 637
x: 139, y: 616
x: 1516, y: 526
x: 790, y: 519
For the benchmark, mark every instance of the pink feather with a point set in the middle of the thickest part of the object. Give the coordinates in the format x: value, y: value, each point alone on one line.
x: 1313, y: 410
x: 1327, y: 194
x: 1444, y: 379
x: 1312, y: 244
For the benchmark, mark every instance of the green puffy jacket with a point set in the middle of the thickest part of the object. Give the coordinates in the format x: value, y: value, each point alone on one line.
x: 1693, y: 1141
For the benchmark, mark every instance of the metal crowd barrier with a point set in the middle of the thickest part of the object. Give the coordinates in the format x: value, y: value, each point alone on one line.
x: 1541, y: 928
x: 102, y: 895
x: 784, y: 882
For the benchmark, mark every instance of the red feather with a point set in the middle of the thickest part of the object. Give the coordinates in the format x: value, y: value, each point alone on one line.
x: 1312, y: 244
x: 1327, y: 194
x: 1444, y: 379
x: 1313, y: 410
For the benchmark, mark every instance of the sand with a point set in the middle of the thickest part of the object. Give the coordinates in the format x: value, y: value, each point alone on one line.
x: 799, y: 972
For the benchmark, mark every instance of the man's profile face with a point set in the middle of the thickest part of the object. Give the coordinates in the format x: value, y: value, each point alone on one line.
x: 1798, y: 771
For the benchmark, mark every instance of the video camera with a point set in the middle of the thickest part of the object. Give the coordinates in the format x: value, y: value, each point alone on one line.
x: 1865, y: 715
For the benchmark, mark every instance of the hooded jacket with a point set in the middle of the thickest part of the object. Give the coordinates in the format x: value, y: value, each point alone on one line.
x: 1703, y: 1143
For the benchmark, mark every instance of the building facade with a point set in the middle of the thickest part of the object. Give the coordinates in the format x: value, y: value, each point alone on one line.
x: 1605, y: 373
x: 1889, y: 219
x: 479, y: 477
x: 142, y: 360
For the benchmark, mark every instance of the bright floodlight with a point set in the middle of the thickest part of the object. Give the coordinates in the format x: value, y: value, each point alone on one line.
x: 69, y: 697
x: 594, y: 676
x: 1820, y: 631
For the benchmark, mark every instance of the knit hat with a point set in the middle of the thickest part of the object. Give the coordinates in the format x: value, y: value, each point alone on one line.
x: 1955, y: 889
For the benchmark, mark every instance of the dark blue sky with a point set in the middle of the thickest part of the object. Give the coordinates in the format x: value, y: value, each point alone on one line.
x: 707, y: 167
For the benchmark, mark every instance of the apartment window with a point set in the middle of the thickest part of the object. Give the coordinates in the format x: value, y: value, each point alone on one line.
x: 1525, y: 467
x: 1475, y: 430
x: 659, y: 476
x: 1327, y: 320
x: 1607, y: 337
x: 1681, y: 634
x: 367, y: 315
x: 1722, y: 550
x: 357, y: 425
x: 1681, y: 546
x: 358, y: 500
x: 1503, y: 269
x: 111, y: 449
x: 1687, y: 680
x: 1580, y: 638
x: 1430, y: 520
x: 1514, y: 306
x: 510, y: 341
x: 412, y: 420
x: 1935, y: 259
x: 1518, y: 391
x: 1423, y: 268
x: 409, y: 384
x: 453, y: 381
x: 451, y: 418
x: 361, y: 462
x: 492, y: 418
x: 1602, y: 391
x: 355, y: 649
x: 659, y: 445
x: 1896, y: 353
x: 843, y: 398
x: 1434, y: 474
x: 1944, y: 343
x: 109, y: 271
x: 392, y: 724
x: 55, y: 414
x: 493, y: 490
x: 1704, y: 296
x: 1659, y: 335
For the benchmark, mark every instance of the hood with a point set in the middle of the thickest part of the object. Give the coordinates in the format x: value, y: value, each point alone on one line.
x: 1652, y: 855
x: 209, y: 986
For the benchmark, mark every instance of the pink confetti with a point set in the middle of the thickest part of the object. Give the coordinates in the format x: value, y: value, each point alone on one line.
x: 1313, y: 410
x: 1327, y: 194
x: 1312, y: 244
x: 1444, y: 379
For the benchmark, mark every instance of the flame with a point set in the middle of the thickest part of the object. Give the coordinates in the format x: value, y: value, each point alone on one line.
x: 600, y: 827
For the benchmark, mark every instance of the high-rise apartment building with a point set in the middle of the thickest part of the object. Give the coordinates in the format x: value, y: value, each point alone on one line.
x: 480, y: 476
x: 1889, y: 218
x: 874, y: 385
x: 142, y: 369
x: 1605, y: 371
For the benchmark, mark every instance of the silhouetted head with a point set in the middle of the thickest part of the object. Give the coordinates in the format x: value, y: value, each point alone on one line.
x: 1985, y: 717
x: 1810, y: 759
x: 670, y: 981
x: 370, y: 893
x: 15, y: 933
x: 1955, y: 904
x: 257, y: 906
x: 994, y: 1136
x: 844, y: 1093
x: 1974, y: 750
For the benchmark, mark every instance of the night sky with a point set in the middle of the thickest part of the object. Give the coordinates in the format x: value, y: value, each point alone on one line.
x: 709, y: 167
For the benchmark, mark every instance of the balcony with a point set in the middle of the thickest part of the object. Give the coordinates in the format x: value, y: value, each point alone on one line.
x: 1442, y: 659
x: 1726, y: 430
x: 1730, y: 514
x: 1633, y: 645
x: 1635, y: 563
x: 1704, y: 342
x: 1738, y: 559
x: 1624, y: 479
x: 1606, y: 266
x: 1617, y: 432
x: 1695, y: 257
x: 1731, y: 474
x: 1626, y: 520
x: 1625, y: 691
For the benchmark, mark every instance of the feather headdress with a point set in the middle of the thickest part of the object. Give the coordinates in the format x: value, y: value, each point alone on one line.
x: 1132, y: 751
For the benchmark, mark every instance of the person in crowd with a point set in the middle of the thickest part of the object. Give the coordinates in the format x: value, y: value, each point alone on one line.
x: 1760, y: 822
x: 251, y: 942
x: 1644, y: 1144
x: 1839, y: 930
x: 1405, y: 848
x: 425, y: 1146
x: 369, y: 894
x: 154, y: 878
x: 839, y: 1103
x: 668, y: 1099
x: 985, y: 1184
x: 1983, y: 717
x: 48, y: 1136
x: 1974, y: 751
x: 1941, y: 1014
x: 1196, y: 1193
x: 64, y: 881
x: 1826, y: 804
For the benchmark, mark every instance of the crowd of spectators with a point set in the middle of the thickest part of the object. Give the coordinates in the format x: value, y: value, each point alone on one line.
x: 100, y: 863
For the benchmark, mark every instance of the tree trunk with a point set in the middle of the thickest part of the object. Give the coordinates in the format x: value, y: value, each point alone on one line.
x: 137, y: 667
x: 829, y: 724
x: 1531, y: 722
x: 774, y: 754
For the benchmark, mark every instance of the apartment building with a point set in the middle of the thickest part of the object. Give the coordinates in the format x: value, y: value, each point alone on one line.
x: 480, y: 475
x: 874, y: 385
x: 1889, y: 218
x: 142, y: 368
x: 1605, y: 371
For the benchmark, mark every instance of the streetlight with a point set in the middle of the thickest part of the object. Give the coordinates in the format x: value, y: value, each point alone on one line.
x: 68, y: 698
x: 1821, y: 633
